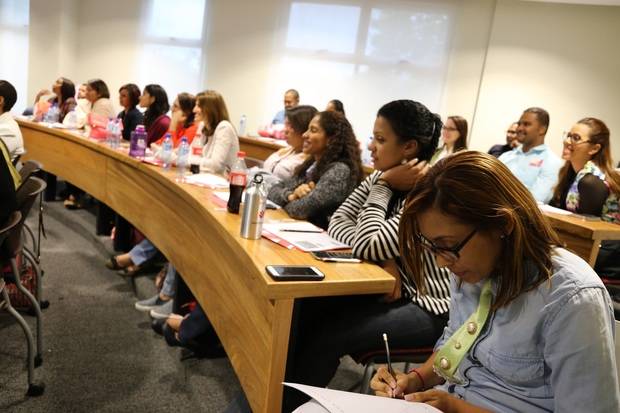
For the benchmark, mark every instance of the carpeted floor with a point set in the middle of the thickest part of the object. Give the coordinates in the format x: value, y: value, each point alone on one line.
x: 100, y: 354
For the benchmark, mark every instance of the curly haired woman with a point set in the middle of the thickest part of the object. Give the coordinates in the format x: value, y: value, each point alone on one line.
x: 331, y: 172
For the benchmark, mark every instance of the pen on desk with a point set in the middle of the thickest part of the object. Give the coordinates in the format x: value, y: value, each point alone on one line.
x: 387, y: 353
x: 310, y: 231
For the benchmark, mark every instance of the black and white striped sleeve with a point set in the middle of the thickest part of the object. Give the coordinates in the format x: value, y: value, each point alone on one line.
x: 343, y: 223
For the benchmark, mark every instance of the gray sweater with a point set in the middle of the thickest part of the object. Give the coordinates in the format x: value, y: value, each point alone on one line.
x: 330, y: 191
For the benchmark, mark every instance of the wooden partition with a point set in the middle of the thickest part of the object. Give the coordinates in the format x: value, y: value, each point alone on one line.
x: 250, y: 312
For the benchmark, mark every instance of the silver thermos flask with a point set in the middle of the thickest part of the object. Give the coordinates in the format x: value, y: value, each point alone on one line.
x: 254, y: 204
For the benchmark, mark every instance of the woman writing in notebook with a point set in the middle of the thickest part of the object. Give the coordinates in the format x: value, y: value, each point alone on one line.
x: 531, y: 326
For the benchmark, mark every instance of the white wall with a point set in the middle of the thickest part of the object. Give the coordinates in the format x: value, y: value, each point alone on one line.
x: 505, y: 55
x: 52, y: 52
x: 561, y: 57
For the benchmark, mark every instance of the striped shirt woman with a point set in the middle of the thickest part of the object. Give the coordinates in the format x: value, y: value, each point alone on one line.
x: 329, y: 328
x: 368, y: 221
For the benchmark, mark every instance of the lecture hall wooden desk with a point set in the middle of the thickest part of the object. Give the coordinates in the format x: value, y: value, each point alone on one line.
x: 581, y: 236
x: 260, y: 148
x: 250, y: 312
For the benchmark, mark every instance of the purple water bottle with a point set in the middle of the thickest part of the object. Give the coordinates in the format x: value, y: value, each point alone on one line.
x: 137, y: 144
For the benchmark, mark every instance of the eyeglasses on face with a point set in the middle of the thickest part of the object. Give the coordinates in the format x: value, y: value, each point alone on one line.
x: 449, y: 254
x: 574, y: 138
x: 448, y: 128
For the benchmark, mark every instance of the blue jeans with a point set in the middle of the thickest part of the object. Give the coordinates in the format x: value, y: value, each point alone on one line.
x: 332, y: 327
x: 142, y: 252
x: 170, y: 282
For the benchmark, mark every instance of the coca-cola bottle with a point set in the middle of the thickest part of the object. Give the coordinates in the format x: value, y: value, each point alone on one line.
x: 238, y: 179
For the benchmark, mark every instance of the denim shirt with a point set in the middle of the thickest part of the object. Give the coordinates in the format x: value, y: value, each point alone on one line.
x: 537, y: 169
x: 550, y: 350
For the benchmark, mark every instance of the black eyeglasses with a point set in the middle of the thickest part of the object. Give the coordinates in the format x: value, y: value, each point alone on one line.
x: 450, y: 254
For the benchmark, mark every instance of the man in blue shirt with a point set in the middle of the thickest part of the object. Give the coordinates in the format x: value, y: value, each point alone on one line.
x: 533, y: 163
x: 291, y: 99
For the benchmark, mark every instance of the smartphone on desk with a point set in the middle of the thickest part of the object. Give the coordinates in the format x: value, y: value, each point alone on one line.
x: 294, y: 273
x: 335, y: 256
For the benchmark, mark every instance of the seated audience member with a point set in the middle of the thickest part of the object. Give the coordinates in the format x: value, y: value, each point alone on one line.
x: 156, y: 122
x: 533, y: 163
x: 194, y: 332
x: 10, y: 133
x: 511, y: 142
x: 405, y: 136
x: 454, y: 136
x: 128, y: 98
x: 530, y: 322
x: 218, y: 156
x: 588, y: 184
x: 64, y: 89
x: 98, y: 97
x: 65, y: 97
x: 29, y: 111
x: 335, y: 105
x: 291, y: 99
x: 281, y: 164
x: 331, y: 172
x: 218, y: 135
x: 182, y: 123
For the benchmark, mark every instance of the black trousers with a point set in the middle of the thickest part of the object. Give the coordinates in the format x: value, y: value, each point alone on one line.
x: 332, y: 327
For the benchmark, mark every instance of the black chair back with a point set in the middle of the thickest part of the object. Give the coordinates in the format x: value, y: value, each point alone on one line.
x: 29, y: 168
x: 26, y: 194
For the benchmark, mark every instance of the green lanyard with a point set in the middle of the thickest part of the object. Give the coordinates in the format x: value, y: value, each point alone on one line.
x: 453, y: 351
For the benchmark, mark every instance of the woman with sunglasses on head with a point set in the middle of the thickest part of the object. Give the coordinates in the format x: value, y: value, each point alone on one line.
x: 531, y: 327
x: 454, y: 136
x: 588, y: 184
x: 405, y: 135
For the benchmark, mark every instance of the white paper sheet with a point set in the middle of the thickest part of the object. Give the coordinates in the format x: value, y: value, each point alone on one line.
x: 336, y: 401
x: 549, y: 208
x: 208, y: 180
x: 303, y: 235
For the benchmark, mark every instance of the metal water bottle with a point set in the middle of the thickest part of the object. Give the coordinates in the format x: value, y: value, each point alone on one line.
x: 254, y: 204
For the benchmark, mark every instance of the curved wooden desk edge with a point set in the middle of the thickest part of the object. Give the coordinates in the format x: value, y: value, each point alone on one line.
x: 250, y: 312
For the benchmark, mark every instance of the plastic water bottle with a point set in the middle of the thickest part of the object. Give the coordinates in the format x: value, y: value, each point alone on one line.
x: 166, y: 152
x: 53, y: 114
x: 114, y: 133
x: 238, y: 179
x: 254, y: 205
x: 137, y: 144
x: 195, y: 155
x: 242, y: 125
x: 182, y: 159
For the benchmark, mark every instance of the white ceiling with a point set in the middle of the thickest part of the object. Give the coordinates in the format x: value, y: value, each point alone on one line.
x: 586, y: 2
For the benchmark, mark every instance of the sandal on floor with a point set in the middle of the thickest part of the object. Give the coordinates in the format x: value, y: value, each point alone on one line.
x: 112, y: 264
